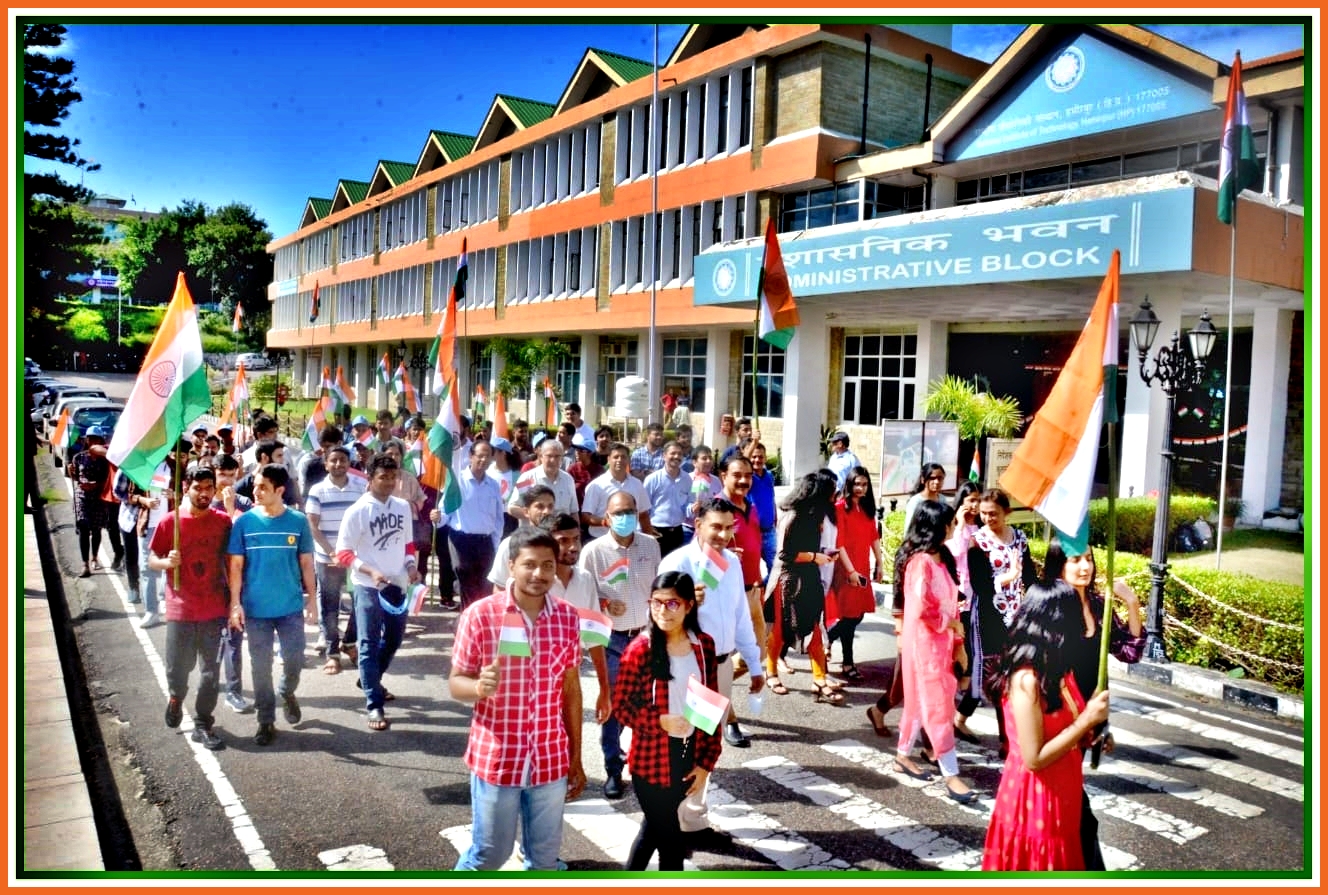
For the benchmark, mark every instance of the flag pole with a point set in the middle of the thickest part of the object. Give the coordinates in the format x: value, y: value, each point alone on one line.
x: 1113, y: 485
x: 1226, y: 389
x: 756, y: 340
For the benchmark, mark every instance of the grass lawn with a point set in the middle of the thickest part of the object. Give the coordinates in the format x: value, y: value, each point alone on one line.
x: 1269, y: 555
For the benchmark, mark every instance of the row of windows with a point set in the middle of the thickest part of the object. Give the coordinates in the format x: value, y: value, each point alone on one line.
x: 481, y: 280
x: 467, y: 199
x: 703, y: 120
x: 557, y: 168
x: 401, y: 292
x: 402, y: 221
x: 286, y: 262
x: 843, y: 203
x: 684, y: 234
x: 357, y: 237
x: 566, y: 264
x: 1199, y: 158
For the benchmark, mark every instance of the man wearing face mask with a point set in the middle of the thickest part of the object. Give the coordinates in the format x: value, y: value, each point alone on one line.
x: 622, y: 564
x: 594, y: 512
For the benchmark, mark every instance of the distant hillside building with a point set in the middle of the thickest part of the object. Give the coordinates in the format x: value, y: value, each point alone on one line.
x: 103, y: 282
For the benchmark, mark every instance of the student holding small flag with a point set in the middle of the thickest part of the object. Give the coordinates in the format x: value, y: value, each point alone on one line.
x: 622, y: 563
x: 517, y: 657
x: 574, y: 586
x: 675, y: 742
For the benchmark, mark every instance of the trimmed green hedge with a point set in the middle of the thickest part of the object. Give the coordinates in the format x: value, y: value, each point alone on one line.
x: 1135, y: 517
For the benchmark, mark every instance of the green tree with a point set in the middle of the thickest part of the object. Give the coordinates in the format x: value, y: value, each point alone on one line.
x: 155, y: 250
x: 87, y: 325
x: 978, y: 413
x: 228, y: 253
x: 48, y: 92
x: 523, y: 360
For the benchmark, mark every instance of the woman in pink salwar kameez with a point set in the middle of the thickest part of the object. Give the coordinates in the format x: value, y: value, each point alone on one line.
x: 931, y: 641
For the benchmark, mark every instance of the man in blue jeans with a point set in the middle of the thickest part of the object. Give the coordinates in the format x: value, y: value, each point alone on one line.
x: 271, y: 565
x: 376, y: 542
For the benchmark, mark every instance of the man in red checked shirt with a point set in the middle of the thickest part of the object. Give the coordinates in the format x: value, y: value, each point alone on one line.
x: 524, y: 749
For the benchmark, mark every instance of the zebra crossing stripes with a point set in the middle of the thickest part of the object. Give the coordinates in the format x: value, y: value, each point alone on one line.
x: 925, y: 844
x: 609, y: 830
x: 1128, y: 691
x: 1181, y: 789
x: 764, y: 834
x: 1223, y: 735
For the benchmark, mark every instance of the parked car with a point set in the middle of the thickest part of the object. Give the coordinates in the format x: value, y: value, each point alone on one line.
x: 82, y: 418
x: 31, y: 367
x: 72, y: 402
x: 49, y: 409
x: 254, y: 360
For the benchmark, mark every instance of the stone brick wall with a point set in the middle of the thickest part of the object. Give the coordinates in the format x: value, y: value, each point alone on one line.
x: 1293, y: 451
x: 797, y: 91
x: 895, y: 96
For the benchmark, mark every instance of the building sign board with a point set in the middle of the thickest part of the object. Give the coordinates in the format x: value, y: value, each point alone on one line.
x: 287, y: 287
x: 1084, y: 86
x: 1154, y: 231
x: 102, y: 282
x: 906, y: 445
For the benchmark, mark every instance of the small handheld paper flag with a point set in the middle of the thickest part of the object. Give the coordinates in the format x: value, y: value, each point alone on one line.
x: 713, y: 566
x: 161, y: 479
x: 616, y: 573
x: 513, y: 640
x: 704, y: 707
x: 416, y: 597
x: 595, y: 627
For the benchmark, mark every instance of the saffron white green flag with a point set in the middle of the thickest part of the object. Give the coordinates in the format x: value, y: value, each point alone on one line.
x: 704, y: 707
x: 513, y: 640
x: 170, y: 393
x: 595, y: 627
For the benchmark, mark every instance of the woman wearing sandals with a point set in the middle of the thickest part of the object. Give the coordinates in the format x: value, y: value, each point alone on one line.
x: 795, y: 583
x: 965, y: 504
x: 931, y: 641
x: 1036, y: 821
x: 669, y: 758
x: 858, y: 540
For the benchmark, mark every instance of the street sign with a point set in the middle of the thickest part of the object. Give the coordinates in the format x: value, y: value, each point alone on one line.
x: 102, y: 282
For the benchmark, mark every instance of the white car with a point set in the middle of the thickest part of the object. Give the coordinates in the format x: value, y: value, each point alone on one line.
x: 254, y: 361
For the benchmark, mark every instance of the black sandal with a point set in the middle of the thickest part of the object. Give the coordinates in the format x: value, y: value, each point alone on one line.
x: 828, y: 694
x: 850, y: 673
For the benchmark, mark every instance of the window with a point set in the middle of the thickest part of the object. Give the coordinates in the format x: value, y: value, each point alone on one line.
x: 617, y: 358
x: 675, y: 245
x: 769, y: 380
x: 285, y: 264
x: 481, y: 373
x: 481, y: 279
x: 684, y: 367
x: 880, y: 377
x: 567, y: 374
x: 745, y: 113
x: 823, y: 207
x: 740, y: 218
x: 882, y: 200
x: 722, y: 133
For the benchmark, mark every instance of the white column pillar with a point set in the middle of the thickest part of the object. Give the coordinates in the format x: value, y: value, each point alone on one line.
x: 1145, y: 406
x: 1287, y: 150
x: 717, y: 384
x: 932, y: 358
x: 1270, y: 367
x: 359, y: 375
x: 806, y: 388
x: 587, y: 397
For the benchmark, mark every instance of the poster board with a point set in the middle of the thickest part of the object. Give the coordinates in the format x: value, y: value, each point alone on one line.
x: 999, y: 453
x: 906, y: 445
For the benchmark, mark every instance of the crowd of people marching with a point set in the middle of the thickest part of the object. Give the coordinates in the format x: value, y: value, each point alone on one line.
x: 698, y: 577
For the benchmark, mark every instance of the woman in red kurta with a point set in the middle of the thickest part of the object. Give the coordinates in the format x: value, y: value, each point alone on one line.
x: 858, y: 540
x: 931, y: 640
x: 1035, y: 824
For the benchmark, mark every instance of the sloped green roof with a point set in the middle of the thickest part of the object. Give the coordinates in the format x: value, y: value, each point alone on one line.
x: 356, y: 190
x: 398, y: 172
x: 320, y: 207
x: 528, y: 112
x: 625, y: 67
x: 454, y: 145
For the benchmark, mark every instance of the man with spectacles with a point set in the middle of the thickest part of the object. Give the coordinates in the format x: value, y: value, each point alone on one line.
x: 842, y: 460
x: 622, y: 564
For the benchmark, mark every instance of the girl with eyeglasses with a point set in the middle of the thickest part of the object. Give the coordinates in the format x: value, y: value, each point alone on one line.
x: 928, y: 487
x: 669, y: 758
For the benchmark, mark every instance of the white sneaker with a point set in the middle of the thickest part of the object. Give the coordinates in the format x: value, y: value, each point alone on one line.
x: 149, y: 619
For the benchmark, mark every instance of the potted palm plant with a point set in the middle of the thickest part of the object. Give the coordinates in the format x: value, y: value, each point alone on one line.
x: 977, y: 412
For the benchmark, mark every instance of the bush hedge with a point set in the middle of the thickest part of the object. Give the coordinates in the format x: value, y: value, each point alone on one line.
x: 1135, y: 517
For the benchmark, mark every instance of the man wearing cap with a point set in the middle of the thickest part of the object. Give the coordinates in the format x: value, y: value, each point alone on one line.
x: 476, y: 526
x: 572, y: 414
x: 226, y: 432
x: 842, y: 460
x: 359, y: 431
x: 548, y: 472
x: 199, y: 440
x: 584, y: 470
x: 376, y: 543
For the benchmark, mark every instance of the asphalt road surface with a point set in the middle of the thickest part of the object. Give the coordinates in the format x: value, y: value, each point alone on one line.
x: 1193, y: 786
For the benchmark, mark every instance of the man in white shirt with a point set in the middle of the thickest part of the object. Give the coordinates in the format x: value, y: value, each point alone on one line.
x: 326, y: 506
x: 572, y: 414
x: 668, y: 491
x: 475, y: 527
x: 537, y: 504
x: 576, y: 587
x: 725, y: 616
x: 842, y: 460
x: 618, y: 478
x: 376, y: 542
x: 549, y: 473
x: 622, y: 564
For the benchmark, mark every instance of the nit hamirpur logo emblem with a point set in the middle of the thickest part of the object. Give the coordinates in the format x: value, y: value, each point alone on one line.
x: 1066, y: 70
x: 725, y: 277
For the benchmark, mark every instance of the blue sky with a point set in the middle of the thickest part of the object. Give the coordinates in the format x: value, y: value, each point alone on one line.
x: 269, y: 115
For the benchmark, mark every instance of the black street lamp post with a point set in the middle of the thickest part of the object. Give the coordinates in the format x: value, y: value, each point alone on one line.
x: 1175, y: 370
x: 419, y: 362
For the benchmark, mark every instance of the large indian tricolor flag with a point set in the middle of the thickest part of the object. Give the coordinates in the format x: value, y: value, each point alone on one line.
x: 1238, y: 163
x: 778, y: 319
x: 704, y: 707
x: 170, y: 393
x: 1052, y: 470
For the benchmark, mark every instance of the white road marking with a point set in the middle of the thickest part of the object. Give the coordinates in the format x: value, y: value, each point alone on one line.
x: 1145, y: 775
x: 1266, y: 731
x: 459, y: 838
x: 356, y: 857
x: 609, y: 830
x: 924, y: 843
x: 1223, y: 735
x: 766, y: 835
x: 242, y: 824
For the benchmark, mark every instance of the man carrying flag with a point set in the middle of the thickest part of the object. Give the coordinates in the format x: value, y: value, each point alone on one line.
x: 724, y: 614
x: 577, y: 588
x: 524, y: 748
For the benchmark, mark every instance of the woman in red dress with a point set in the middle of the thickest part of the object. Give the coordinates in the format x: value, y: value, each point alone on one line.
x: 1035, y: 823
x: 859, y: 540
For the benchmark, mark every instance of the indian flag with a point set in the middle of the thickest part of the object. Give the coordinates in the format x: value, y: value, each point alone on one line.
x: 550, y: 405
x: 446, y: 430
x: 343, y: 390
x: 384, y: 369
x: 415, y: 597
x: 1052, y: 470
x: 414, y: 459
x: 975, y: 468
x: 171, y: 391
x: 1238, y: 164
x: 317, y: 420
x: 369, y: 439
x: 713, y: 566
x: 595, y: 627
x: 401, y: 382
x: 238, y: 319
x: 477, y: 403
x: 513, y: 639
x: 500, y: 416
x: 779, y: 312
x: 161, y: 478
x: 616, y: 573
x: 703, y: 707
x: 61, y: 434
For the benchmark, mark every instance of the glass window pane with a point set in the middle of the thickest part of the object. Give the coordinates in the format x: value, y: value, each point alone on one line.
x: 871, y: 367
x: 795, y: 201
x: 909, y: 391
x: 910, y: 366
x: 871, y: 346
x: 847, y: 192
x: 890, y: 345
x: 824, y: 196
x: 850, y: 396
x: 851, y: 344
x: 867, y: 412
x: 890, y: 367
x: 822, y: 216
x: 846, y: 213
x: 911, y: 344
x: 890, y: 399
x: 850, y: 366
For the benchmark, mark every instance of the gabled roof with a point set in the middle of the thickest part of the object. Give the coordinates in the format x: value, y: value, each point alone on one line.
x: 388, y: 175
x: 599, y: 72
x: 700, y: 38
x: 315, y: 210
x: 442, y: 148
x: 509, y: 115
x: 348, y: 193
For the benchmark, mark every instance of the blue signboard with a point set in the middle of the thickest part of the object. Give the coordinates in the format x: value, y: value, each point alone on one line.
x: 1085, y: 85
x: 102, y: 282
x: 287, y: 287
x: 1154, y: 232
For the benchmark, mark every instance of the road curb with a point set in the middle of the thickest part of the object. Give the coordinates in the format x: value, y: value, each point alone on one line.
x: 1214, y: 685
